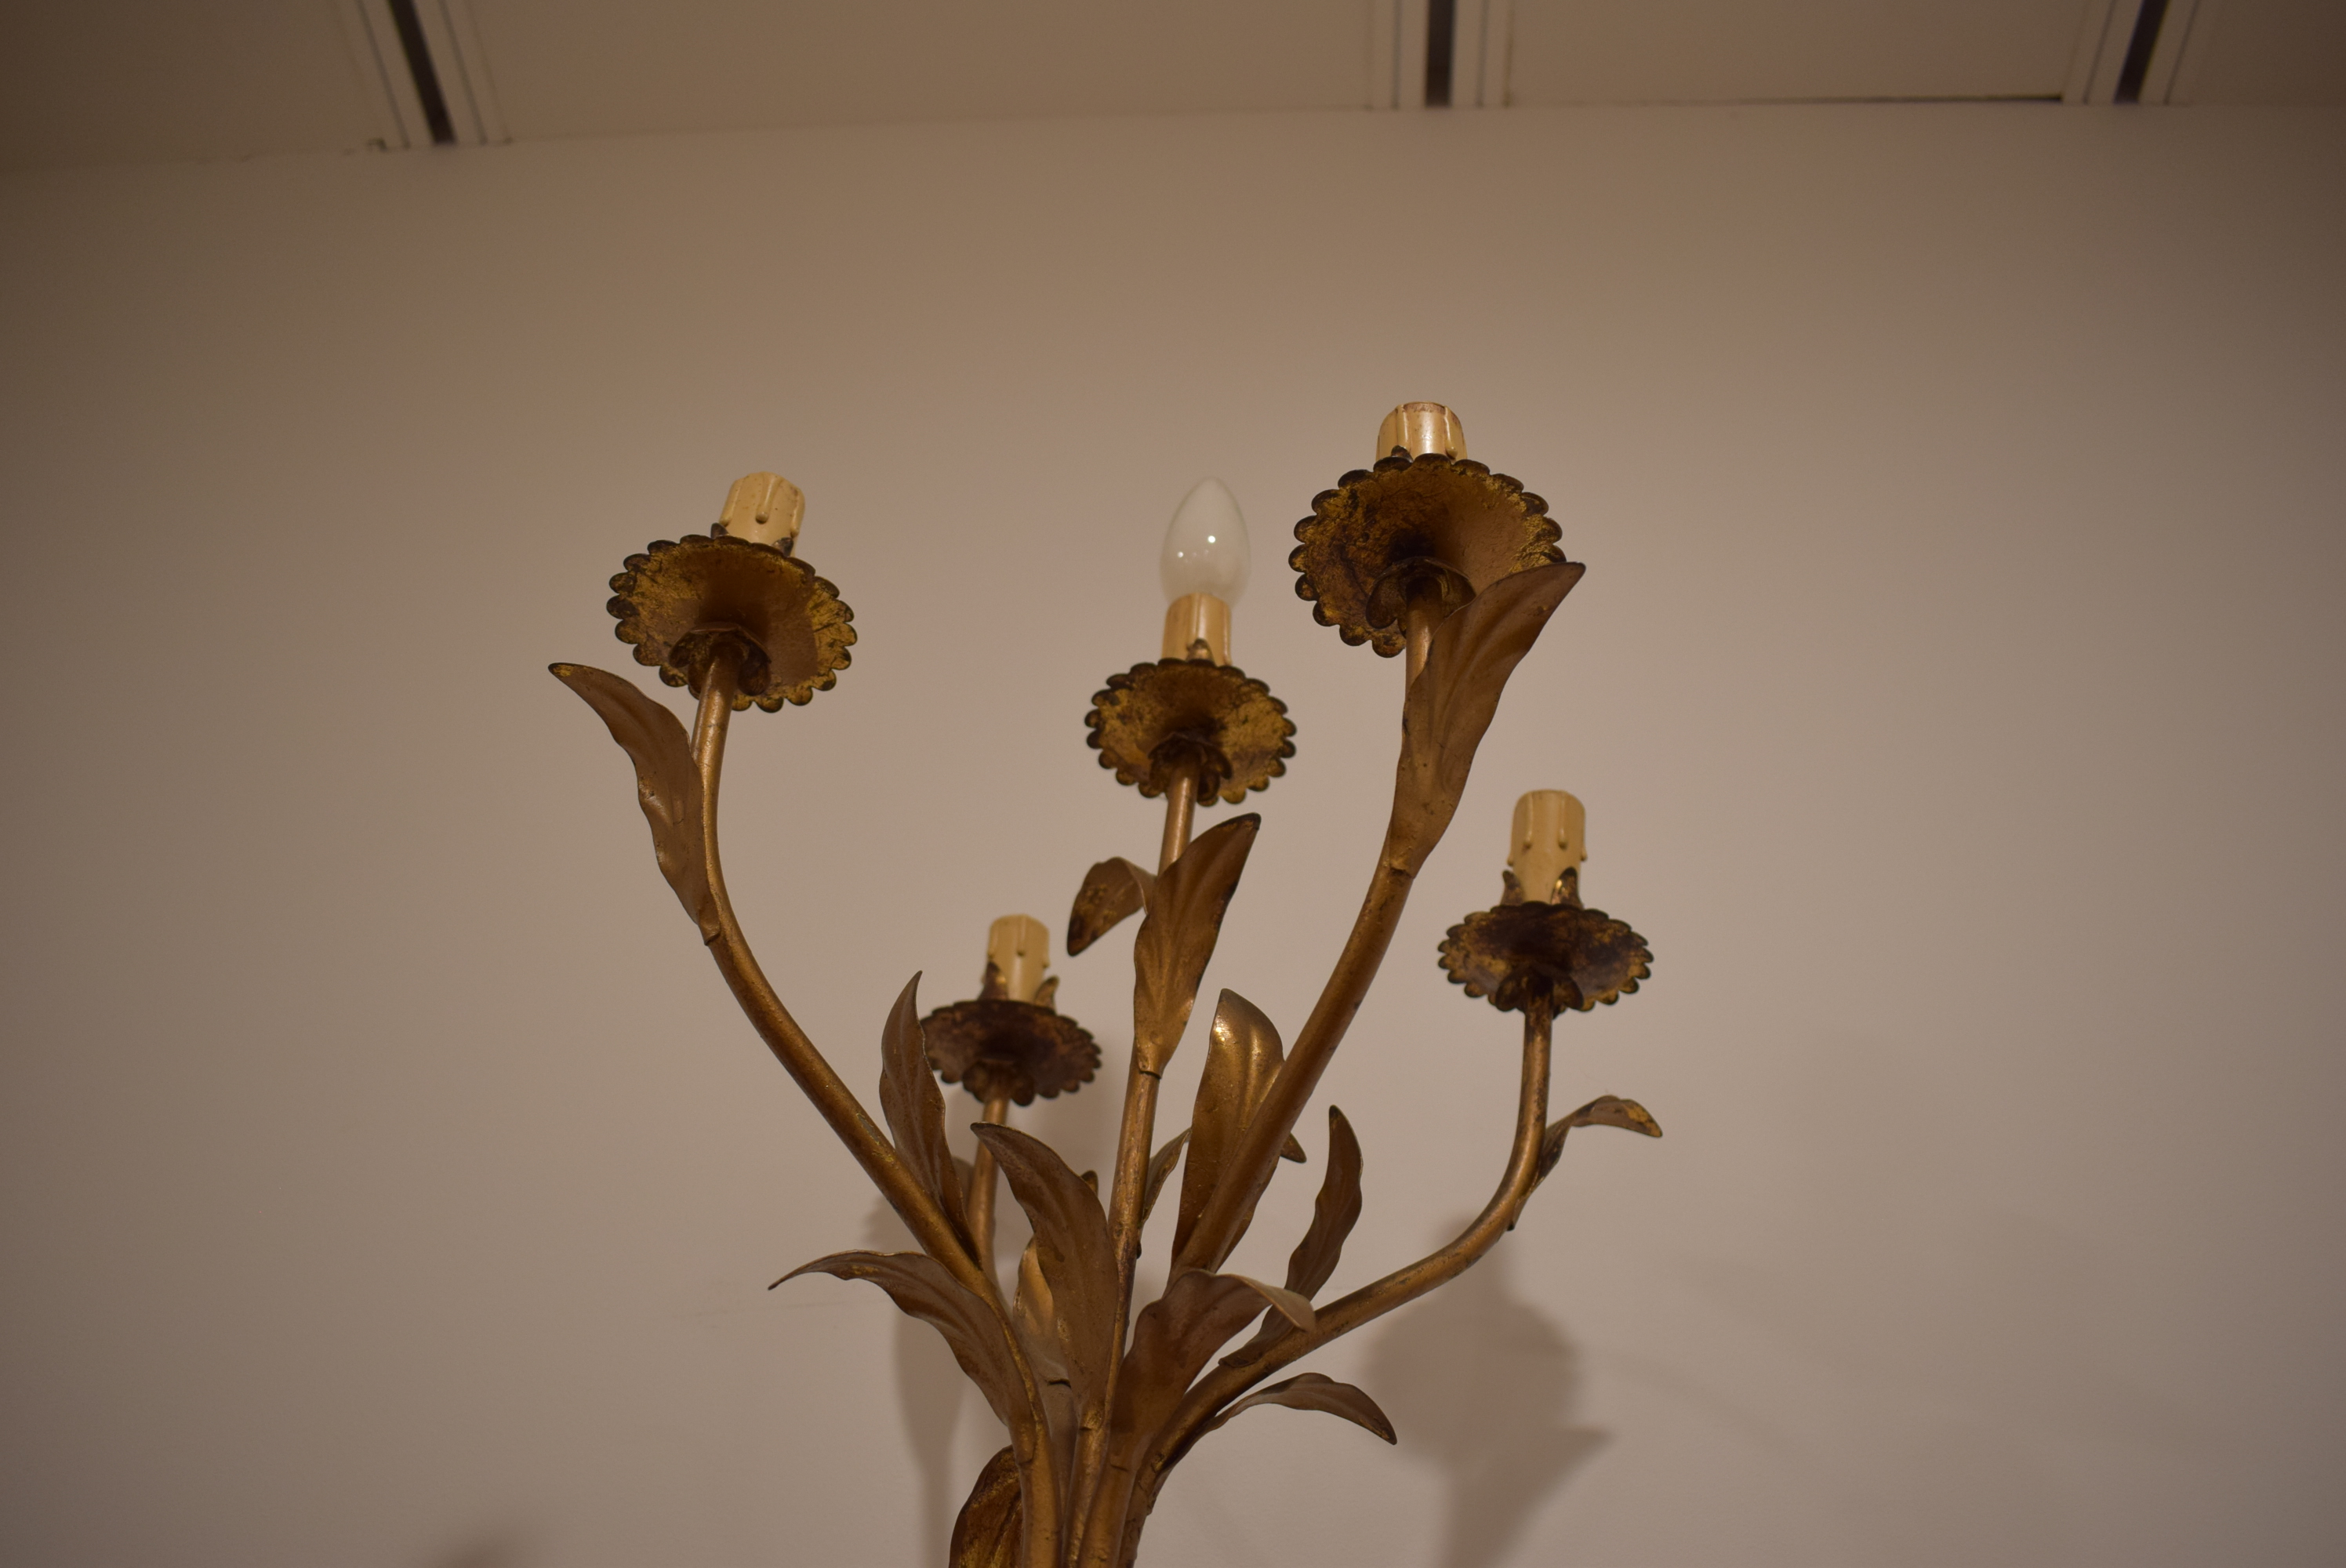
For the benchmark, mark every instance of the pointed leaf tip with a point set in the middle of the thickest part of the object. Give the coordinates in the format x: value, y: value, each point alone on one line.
x: 1290, y: 1305
x: 1451, y: 704
x: 915, y: 1109
x: 1112, y: 889
x: 1317, y: 1391
x: 1072, y: 1249
x: 1243, y: 1058
x: 668, y: 784
x: 921, y: 1288
x: 1176, y: 937
x: 1333, y: 1214
x: 1612, y: 1111
x: 1159, y: 1168
x: 1605, y: 1110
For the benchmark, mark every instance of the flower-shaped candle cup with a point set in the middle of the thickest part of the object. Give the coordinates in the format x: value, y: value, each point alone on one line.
x: 997, y: 1048
x: 1516, y: 952
x: 1213, y: 719
x: 1432, y: 528
x: 678, y: 601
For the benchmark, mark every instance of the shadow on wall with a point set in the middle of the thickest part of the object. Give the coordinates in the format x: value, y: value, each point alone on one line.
x: 929, y: 1389
x: 1482, y: 1385
x: 489, y: 1551
x: 1478, y: 1382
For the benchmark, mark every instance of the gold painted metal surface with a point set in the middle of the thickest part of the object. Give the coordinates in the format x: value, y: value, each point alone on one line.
x: 1112, y: 889
x: 1548, y: 945
x: 983, y: 1173
x: 1181, y: 814
x: 679, y: 598
x: 1577, y: 958
x: 1223, y: 728
x: 994, y: 1046
x: 1430, y: 530
x: 1102, y: 1394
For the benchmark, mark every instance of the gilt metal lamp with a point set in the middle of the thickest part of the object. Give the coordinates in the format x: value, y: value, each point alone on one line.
x: 1425, y: 555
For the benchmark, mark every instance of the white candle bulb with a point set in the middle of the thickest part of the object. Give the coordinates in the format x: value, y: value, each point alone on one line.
x: 1206, y: 546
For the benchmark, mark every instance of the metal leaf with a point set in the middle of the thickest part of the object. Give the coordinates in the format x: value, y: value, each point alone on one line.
x: 1159, y: 1168
x: 1290, y: 1305
x: 1111, y: 890
x: 1242, y: 1057
x: 1313, y: 1262
x: 1035, y: 1322
x: 987, y: 1535
x: 667, y: 785
x: 1452, y: 702
x: 1314, y: 1391
x: 915, y: 1111
x: 1036, y: 1319
x: 921, y: 1288
x: 1605, y: 1110
x: 1177, y: 938
x: 1176, y: 1334
x: 1072, y: 1251
x: 1333, y: 1214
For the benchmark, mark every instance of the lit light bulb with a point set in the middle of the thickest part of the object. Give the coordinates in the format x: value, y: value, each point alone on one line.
x: 1206, y: 546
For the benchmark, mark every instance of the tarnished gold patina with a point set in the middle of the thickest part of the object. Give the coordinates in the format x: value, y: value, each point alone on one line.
x: 994, y: 1047
x: 1100, y: 1393
x: 1213, y: 720
x: 1112, y: 889
x: 1432, y: 529
x: 679, y: 598
x: 1573, y: 957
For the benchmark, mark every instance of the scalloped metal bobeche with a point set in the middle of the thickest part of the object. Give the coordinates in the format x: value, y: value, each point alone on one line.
x: 1214, y: 717
x: 1580, y: 957
x: 679, y: 595
x: 1449, y: 514
x: 992, y: 1045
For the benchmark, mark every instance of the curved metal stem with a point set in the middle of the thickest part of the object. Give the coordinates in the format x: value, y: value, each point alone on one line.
x: 1249, y: 1168
x: 1419, y: 820
x: 1136, y: 1135
x: 837, y: 1104
x: 1139, y: 1125
x: 1418, y: 622
x: 1180, y: 807
x: 833, y: 1101
x: 1405, y: 1285
x: 981, y: 1173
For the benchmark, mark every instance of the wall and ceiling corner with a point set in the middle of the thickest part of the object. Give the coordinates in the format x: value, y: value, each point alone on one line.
x: 1954, y: 692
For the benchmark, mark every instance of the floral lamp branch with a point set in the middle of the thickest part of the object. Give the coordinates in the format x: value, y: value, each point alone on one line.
x: 1425, y: 553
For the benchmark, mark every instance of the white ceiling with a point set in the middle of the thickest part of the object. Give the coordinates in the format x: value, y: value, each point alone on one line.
x: 112, y: 81
x: 1705, y: 51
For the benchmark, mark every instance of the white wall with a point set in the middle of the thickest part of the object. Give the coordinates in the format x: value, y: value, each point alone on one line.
x: 1955, y: 689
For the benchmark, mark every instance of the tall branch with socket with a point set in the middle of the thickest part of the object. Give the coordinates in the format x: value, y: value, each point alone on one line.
x: 1425, y: 555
